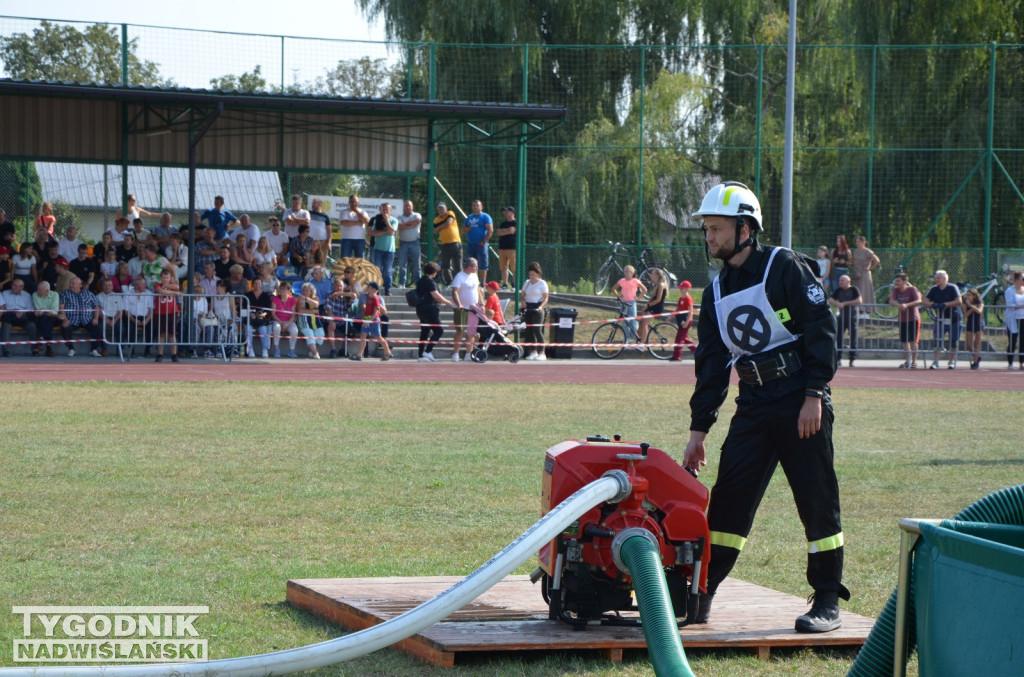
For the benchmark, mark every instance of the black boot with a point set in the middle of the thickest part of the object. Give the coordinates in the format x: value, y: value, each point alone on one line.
x: 704, y: 608
x: 824, y: 613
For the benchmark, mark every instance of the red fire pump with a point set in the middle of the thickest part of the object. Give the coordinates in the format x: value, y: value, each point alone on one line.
x: 582, y: 581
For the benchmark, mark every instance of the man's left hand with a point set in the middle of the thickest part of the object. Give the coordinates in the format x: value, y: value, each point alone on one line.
x: 809, y: 422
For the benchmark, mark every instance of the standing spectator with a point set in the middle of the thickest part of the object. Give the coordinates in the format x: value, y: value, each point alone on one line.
x: 165, y: 313
x: 161, y: 235
x: 447, y: 229
x: 207, y: 249
x: 300, y: 250
x: 864, y: 261
x: 308, y: 309
x: 465, y: 295
x: 250, y: 230
x: 353, y: 230
x: 6, y: 268
x: 534, y: 295
x: 112, y: 313
x: 383, y: 228
x: 7, y: 230
x: 135, y: 211
x: 138, y: 313
x: 628, y: 289
x: 320, y: 228
x: 907, y: 298
x: 68, y: 245
x: 944, y: 299
x: 373, y: 310
x: 845, y: 299
x: 278, y: 240
x: 79, y: 309
x: 260, y: 308
x: 684, y: 320
x: 974, y: 325
x: 46, y: 220
x: 824, y: 267
x: 478, y: 229
x: 119, y: 229
x: 294, y: 217
x: 25, y: 269
x: 842, y: 257
x: 219, y: 219
x: 16, y: 309
x: 47, y: 312
x: 428, y: 311
x: 506, y: 233
x: 492, y: 302
x: 284, y: 319
x: 85, y: 267
x: 1014, y: 298
x: 408, y: 243
x: 655, y: 306
x: 176, y: 253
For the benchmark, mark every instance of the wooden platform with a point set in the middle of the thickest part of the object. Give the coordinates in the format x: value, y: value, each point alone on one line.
x: 512, y: 616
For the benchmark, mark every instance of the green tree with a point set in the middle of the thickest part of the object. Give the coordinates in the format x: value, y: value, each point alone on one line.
x: 246, y: 82
x: 362, y: 77
x: 64, y: 53
x: 16, y: 177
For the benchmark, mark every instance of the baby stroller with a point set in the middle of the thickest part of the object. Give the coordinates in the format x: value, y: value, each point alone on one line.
x: 494, y: 340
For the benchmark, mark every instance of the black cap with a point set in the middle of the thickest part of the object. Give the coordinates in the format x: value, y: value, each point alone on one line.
x: 510, y: 208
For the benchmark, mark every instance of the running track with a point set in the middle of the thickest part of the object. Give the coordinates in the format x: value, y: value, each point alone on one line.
x: 868, y: 374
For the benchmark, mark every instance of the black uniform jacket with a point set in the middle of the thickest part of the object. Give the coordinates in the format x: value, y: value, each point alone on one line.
x: 792, y: 287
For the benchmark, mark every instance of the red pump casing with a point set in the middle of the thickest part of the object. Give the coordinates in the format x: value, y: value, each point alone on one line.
x: 666, y: 500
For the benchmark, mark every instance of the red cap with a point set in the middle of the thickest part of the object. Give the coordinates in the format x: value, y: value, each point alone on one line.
x: 493, y: 285
x: 4, y: 250
x: 685, y: 284
x: 61, y: 261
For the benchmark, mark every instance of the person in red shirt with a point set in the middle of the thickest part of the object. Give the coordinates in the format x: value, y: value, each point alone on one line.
x: 165, y: 314
x: 372, y: 310
x: 685, y: 320
x: 493, y: 302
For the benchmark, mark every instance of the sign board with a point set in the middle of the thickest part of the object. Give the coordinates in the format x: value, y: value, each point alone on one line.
x: 336, y: 205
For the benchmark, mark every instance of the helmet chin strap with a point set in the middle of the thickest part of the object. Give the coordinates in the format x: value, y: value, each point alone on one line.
x: 749, y: 242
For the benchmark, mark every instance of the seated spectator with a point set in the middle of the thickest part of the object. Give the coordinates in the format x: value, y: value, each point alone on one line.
x: 106, y: 244
x: 176, y: 252
x: 260, y: 308
x: 300, y: 250
x: 112, y: 313
x: 321, y: 281
x: 153, y: 265
x: 204, y: 320
x: 210, y: 279
x: 123, y: 278
x: 16, y: 310
x: 6, y: 268
x: 119, y: 229
x: 284, y: 320
x: 79, y: 309
x: 108, y: 269
x: 250, y: 230
x: 45, y: 266
x: 236, y: 282
x: 207, y: 249
x: 225, y: 309
x: 161, y: 235
x: 308, y: 309
x: 41, y: 244
x: 138, y: 313
x: 165, y: 313
x: 264, y: 254
x: 140, y: 233
x: 86, y: 268
x: 223, y: 263
x: 242, y: 256
x: 128, y: 249
x: 25, y: 269
x: 278, y: 240
x: 68, y: 245
x: 337, y: 307
x: 266, y: 275
x: 47, y: 312
x: 63, y: 275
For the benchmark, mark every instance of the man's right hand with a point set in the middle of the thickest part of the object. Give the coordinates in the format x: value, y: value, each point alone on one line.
x: 694, y: 456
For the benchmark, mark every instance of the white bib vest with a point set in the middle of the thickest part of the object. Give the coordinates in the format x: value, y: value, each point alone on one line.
x: 747, y: 322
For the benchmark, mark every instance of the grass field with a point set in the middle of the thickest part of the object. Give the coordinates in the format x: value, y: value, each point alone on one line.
x: 217, y: 493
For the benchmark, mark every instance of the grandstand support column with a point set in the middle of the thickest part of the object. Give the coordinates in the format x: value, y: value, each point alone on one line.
x: 193, y: 159
x: 124, y: 121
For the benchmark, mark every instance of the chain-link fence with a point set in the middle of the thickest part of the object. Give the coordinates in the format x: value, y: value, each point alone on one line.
x: 918, y: 148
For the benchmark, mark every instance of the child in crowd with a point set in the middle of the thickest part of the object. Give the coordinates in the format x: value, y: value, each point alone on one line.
x: 108, y: 268
x: 492, y: 303
x: 372, y: 310
x: 974, y: 318
x: 629, y: 289
x: 684, y: 320
x: 165, y: 314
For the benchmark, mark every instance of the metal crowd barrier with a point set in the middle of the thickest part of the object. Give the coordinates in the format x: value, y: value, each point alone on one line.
x: 205, y: 325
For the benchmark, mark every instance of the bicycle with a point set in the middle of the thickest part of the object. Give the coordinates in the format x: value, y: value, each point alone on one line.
x: 611, y: 270
x: 611, y: 338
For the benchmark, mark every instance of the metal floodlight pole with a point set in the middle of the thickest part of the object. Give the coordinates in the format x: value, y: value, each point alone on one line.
x: 787, y: 165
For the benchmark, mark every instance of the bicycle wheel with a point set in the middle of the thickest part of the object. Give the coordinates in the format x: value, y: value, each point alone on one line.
x: 603, y: 279
x: 608, y: 340
x: 661, y: 339
x: 883, y: 309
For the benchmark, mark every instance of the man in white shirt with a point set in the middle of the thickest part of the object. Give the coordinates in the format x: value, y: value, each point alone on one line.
x: 251, y: 230
x: 141, y: 234
x: 320, y: 228
x: 68, y: 245
x: 111, y: 311
x: 408, y: 244
x: 176, y: 252
x: 16, y: 309
x: 278, y: 239
x: 294, y: 217
x: 353, y: 230
x: 466, y: 294
x: 138, y: 311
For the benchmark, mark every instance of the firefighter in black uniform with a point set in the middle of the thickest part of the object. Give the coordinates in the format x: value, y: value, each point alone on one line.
x: 767, y: 314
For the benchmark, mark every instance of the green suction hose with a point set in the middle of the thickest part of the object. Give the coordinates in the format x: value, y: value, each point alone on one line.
x: 641, y: 557
x: 875, y: 658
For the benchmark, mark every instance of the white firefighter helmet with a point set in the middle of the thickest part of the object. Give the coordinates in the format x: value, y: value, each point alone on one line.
x: 731, y: 199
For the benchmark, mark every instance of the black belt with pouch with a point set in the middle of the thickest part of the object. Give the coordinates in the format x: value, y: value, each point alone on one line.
x: 758, y: 372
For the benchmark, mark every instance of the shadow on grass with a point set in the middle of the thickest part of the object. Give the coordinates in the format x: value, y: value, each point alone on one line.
x: 942, y: 462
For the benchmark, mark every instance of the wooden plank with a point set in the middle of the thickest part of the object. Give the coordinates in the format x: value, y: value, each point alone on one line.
x: 512, y: 616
